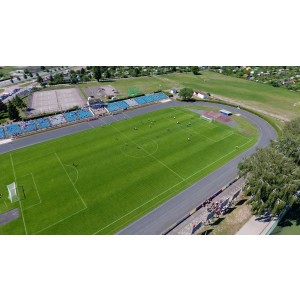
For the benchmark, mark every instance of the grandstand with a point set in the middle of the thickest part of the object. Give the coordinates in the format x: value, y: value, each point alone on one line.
x: 43, y: 123
x: 13, y: 130
x: 2, y: 134
x: 57, y: 120
x: 71, y: 116
x: 131, y: 102
x: 27, y: 126
x: 111, y: 107
x: 19, y: 128
x: 84, y: 113
x: 122, y: 104
x: 140, y: 100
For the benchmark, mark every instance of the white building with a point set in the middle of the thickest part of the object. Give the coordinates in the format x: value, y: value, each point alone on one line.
x: 201, y: 95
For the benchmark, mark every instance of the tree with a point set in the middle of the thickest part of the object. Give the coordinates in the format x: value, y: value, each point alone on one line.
x: 3, y: 107
x: 97, y: 73
x: 82, y: 71
x: 39, y: 79
x: 196, y: 70
x: 107, y: 74
x: 43, y: 68
x: 273, y: 180
x: 186, y: 93
x: 13, y: 113
x: 43, y: 84
x: 136, y: 72
x: 18, y: 102
x: 25, y: 76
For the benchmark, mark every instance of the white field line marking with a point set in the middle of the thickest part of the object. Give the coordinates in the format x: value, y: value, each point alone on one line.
x: 76, y: 172
x: 90, y: 125
x: 218, y: 125
x: 184, y: 110
x: 168, y: 189
x: 225, y: 137
x: 60, y: 221
x: 13, y: 167
x: 37, y: 191
x: 71, y: 180
x: 217, y: 160
x: 139, y: 207
x: 195, y: 132
x: 36, y: 157
x: 148, y: 152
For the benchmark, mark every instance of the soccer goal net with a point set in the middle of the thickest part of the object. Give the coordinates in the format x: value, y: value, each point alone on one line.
x: 12, y: 192
x: 206, y: 119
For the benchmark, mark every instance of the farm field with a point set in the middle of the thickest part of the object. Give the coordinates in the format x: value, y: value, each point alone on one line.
x: 100, y: 180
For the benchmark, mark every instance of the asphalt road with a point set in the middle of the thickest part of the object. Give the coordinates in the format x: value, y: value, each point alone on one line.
x: 161, y: 218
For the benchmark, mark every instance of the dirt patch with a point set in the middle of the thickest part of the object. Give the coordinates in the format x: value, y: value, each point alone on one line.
x: 247, y: 132
x: 99, y: 92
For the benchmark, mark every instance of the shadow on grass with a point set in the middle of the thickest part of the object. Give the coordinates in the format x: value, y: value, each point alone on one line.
x: 218, y: 221
x: 292, y: 217
x: 206, y: 232
x: 230, y: 210
x: 241, y: 202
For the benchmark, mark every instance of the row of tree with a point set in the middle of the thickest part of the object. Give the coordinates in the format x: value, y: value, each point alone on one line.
x: 12, y: 108
x: 273, y: 173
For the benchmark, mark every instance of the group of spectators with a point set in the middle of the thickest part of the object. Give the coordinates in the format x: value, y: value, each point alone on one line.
x: 23, y: 124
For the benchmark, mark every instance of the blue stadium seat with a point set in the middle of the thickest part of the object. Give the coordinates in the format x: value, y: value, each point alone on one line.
x: 113, y: 107
x: 43, y: 123
x: 13, y: 129
x: 84, y: 113
x: 140, y: 100
x: 147, y: 99
x: 28, y: 126
x: 2, y: 134
x: 122, y: 104
x: 71, y: 116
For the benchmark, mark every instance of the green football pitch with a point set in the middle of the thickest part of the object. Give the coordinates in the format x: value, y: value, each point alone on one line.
x: 100, y: 180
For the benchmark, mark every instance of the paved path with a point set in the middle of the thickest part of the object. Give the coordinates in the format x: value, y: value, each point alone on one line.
x: 257, y: 226
x: 161, y: 218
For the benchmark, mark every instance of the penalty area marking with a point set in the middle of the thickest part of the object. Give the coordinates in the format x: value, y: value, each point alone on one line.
x: 37, y: 191
x: 76, y: 172
x: 13, y: 167
x: 71, y: 180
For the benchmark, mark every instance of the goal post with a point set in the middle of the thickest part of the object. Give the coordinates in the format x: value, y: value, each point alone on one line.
x: 206, y: 118
x: 12, y: 192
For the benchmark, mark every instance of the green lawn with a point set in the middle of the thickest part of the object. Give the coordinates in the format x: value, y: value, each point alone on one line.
x: 5, y: 71
x: 278, y: 101
x: 290, y: 223
x: 102, y: 179
x: 261, y: 96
